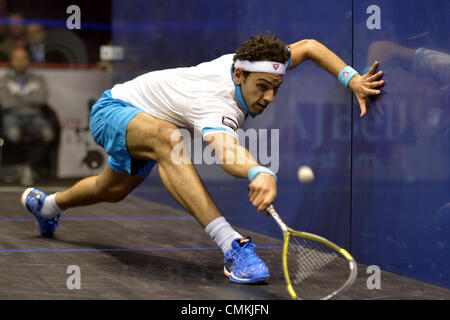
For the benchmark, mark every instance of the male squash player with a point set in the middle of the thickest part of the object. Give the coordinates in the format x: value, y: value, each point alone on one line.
x: 136, y: 122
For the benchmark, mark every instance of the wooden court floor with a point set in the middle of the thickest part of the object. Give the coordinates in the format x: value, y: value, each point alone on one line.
x: 138, y: 250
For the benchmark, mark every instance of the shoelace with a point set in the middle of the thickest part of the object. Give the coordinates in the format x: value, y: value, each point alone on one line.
x: 247, y: 255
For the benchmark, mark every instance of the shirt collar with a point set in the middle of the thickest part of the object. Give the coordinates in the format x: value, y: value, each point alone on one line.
x: 239, y: 97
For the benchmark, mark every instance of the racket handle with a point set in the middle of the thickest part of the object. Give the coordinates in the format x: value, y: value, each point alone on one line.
x: 270, y: 209
x: 273, y: 213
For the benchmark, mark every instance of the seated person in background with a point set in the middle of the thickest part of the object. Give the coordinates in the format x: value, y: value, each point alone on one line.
x: 39, y: 49
x: 36, y: 46
x: 23, y: 97
x: 4, y: 29
x: 15, y: 37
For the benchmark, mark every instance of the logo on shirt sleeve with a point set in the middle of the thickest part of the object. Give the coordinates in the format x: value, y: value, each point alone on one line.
x: 229, y: 123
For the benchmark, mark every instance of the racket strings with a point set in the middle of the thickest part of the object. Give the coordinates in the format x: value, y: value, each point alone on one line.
x: 315, y: 270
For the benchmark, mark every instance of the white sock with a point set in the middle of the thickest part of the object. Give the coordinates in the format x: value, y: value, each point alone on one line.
x: 50, y: 209
x: 222, y: 233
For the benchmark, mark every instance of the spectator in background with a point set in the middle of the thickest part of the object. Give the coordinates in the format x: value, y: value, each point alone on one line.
x: 39, y: 49
x: 36, y: 47
x: 23, y: 97
x: 15, y: 37
x: 4, y: 22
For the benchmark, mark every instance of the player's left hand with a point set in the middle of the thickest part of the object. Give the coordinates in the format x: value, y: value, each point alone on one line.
x: 365, y: 86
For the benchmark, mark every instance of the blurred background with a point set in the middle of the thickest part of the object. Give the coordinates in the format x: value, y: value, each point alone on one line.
x: 382, y: 187
x: 50, y: 76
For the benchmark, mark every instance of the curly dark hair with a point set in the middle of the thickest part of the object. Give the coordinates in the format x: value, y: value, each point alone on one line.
x: 263, y: 47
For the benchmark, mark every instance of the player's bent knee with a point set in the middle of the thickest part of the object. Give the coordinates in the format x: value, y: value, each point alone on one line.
x: 176, y: 140
x: 151, y: 138
x: 170, y: 138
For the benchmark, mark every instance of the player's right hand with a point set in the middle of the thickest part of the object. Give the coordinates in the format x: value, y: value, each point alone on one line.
x: 262, y: 191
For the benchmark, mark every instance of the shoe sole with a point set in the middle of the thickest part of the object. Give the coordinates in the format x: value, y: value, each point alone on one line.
x: 23, y: 199
x: 232, y: 278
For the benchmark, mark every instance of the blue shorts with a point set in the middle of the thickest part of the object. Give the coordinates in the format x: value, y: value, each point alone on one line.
x: 108, y: 124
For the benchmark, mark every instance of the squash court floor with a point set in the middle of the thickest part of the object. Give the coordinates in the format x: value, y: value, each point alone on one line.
x: 141, y: 250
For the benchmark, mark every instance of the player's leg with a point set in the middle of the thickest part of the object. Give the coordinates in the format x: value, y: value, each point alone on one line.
x: 150, y: 138
x: 108, y: 186
x: 108, y: 123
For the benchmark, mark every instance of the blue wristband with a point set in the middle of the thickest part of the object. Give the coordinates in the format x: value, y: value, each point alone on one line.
x: 253, y: 172
x: 346, y: 75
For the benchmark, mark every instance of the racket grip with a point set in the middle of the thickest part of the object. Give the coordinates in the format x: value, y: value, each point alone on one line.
x: 270, y: 209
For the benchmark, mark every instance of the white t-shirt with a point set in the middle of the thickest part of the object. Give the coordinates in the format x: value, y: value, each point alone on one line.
x: 200, y: 98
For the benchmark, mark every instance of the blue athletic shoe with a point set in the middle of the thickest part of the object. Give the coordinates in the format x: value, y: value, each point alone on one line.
x: 242, y: 265
x: 33, y: 200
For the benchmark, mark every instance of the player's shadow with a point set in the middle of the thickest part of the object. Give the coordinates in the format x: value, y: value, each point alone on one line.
x: 151, y: 264
x: 177, y: 266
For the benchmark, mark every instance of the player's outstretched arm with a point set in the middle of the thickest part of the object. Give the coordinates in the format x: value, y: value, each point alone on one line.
x: 238, y: 162
x: 362, y: 86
